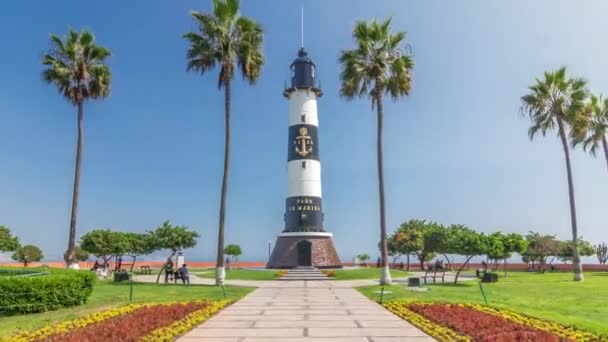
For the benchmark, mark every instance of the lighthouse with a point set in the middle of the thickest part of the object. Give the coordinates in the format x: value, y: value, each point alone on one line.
x: 304, y: 240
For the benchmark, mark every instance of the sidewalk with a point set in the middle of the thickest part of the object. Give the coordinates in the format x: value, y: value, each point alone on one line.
x: 271, y: 283
x: 312, y: 312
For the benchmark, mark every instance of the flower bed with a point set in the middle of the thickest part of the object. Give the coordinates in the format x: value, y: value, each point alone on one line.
x: 331, y: 274
x: 468, y: 322
x: 135, y: 322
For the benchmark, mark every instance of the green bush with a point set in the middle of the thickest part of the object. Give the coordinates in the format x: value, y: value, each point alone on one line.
x: 36, y: 293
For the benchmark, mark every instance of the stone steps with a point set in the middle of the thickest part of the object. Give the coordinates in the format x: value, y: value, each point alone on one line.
x: 304, y: 273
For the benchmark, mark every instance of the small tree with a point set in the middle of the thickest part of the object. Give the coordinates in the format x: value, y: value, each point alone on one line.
x: 139, y: 244
x: 466, y: 242
x: 566, y: 252
x: 405, y: 242
x: 104, y: 244
x: 8, y: 242
x: 173, y: 238
x: 434, y: 239
x: 234, y: 251
x: 501, y: 247
x: 27, y: 254
x: 601, y: 250
x: 540, y: 247
x: 513, y: 243
x: 392, y: 248
x: 363, y: 257
x: 496, y: 249
x: 410, y: 237
x: 79, y: 253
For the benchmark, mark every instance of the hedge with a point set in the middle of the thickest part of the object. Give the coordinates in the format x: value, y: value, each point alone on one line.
x: 57, y: 289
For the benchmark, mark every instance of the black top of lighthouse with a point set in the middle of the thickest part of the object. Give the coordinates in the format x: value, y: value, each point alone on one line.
x: 303, y: 75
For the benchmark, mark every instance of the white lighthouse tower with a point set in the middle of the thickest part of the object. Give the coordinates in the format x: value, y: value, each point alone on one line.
x: 304, y: 241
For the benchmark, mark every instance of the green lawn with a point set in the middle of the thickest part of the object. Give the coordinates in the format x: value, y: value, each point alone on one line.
x: 366, y: 273
x: 107, y: 295
x: 552, y: 296
x: 238, y: 274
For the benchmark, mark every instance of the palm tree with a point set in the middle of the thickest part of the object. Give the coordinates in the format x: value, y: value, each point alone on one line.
x: 592, y: 129
x: 558, y: 102
x: 228, y: 40
x: 377, y: 65
x: 77, y: 67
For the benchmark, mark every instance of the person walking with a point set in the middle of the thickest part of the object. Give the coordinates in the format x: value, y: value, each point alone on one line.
x: 168, y: 270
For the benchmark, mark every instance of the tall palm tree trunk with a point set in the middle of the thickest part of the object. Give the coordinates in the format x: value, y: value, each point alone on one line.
x: 605, y: 144
x: 576, y: 260
x: 71, y: 259
x: 385, y: 279
x: 220, y: 273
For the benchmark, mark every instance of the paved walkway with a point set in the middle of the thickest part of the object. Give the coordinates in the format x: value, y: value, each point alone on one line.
x: 272, y: 283
x: 449, y: 277
x: 314, y: 311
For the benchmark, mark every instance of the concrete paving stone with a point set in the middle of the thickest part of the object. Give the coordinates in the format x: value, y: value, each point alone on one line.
x: 257, y: 307
x: 260, y: 318
x: 385, y: 324
x: 307, y: 339
x: 305, y: 324
x: 239, y: 311
x: 298, y: 307
x: 373, y: 332
x: 404, y: 339
x: 328, y: 307
x: 369, y: 311
x: 246, y: 332
x: 187, y: 338
x: 309, y: 312
x: 218, y: 323
x: 351, y: 317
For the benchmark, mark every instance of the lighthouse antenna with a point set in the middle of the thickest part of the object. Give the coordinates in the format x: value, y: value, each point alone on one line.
x: 302, y: 28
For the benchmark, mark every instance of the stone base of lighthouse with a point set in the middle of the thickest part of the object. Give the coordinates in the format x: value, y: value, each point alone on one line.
x: 314, y: 249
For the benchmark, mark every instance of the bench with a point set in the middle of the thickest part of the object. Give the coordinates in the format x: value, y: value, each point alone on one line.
x: 434, y: 270
x: 145, y: 269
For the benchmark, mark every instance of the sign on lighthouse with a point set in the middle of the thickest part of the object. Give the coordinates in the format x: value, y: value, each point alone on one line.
x: 304, y: 241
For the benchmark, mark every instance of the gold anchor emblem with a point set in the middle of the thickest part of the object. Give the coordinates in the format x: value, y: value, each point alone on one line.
x: 305, y: 141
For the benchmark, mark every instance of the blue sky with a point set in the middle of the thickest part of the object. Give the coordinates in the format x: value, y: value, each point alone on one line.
x: 456, y: 149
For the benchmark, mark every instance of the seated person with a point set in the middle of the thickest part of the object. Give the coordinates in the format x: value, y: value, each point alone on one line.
x: 184, y: 274
x: 439, y: 265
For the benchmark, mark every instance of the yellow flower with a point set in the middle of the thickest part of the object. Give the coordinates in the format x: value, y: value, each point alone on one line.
x: 181, y: 326
x: 400, y: 308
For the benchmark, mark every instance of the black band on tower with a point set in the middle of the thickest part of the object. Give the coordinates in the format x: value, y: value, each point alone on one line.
x: 303, y: 214
x: 303, y: 142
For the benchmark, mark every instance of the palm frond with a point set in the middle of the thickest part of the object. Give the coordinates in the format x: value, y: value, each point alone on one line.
x: 376, y: 64
x: 592, y: 125
x: 226, y: 39
x: 250, y: 58
x: 556, y: 97
x: 77, y: 66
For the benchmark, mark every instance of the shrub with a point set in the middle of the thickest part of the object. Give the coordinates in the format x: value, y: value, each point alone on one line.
x: 330, y: 274
x: 57, y: 289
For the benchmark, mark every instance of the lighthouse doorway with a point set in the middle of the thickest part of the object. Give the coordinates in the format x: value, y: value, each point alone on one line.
x: 304, y: 253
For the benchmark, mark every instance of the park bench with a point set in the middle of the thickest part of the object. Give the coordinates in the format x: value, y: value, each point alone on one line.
x: 431, y: 271
x: 145, y: 269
